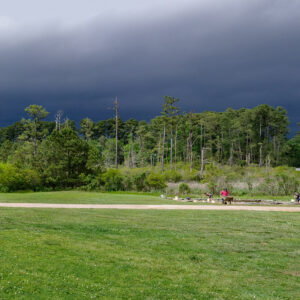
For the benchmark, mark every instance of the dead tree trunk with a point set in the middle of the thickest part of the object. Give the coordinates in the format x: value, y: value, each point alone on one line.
x: 191, y: 152
x: 171, y: 152
x: 260, y: 155
x: 163, y: 149
x: 58, y: 118
x: 202, y: 161
x: 175, y: 146
x: 116, y: 115
x: 231, y: 155
x: 159, y: 146
x: 261, y: 144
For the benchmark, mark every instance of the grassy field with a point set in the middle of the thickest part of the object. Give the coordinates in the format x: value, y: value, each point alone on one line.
x: 76, y: 197
x: 83, y: 198
x: 96, y: 254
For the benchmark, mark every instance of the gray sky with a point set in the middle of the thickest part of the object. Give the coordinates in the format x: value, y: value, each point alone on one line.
x: 212, y: 54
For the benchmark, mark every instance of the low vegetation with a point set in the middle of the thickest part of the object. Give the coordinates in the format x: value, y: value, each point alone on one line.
x: 242, y: 182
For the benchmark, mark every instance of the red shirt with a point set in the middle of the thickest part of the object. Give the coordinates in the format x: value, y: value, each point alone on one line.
x: 224, y: 193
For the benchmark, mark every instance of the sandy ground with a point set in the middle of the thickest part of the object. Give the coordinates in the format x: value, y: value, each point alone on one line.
x: 157, y: 207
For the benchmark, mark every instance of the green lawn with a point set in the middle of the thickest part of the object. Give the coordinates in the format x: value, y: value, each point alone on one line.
x: 83, y: 198
x: 112, y: 254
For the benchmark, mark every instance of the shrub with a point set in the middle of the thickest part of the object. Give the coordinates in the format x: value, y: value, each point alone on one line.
x: 113, y: 180
x: 155, y: 181
x: 172, y: 176
x: 287, y: 184
x: 268, y: 187
x: 184, y: 189
x: 139, y: 180
x: 13, y: 178
x: 127, y: 183
x: 249, y: 180
x: 31, y: 179
x: 89, y: 182
x: 280, y: 181
x: 213, y: 186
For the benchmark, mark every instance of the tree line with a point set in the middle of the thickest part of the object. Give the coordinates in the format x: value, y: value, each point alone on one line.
x: 61, y: 154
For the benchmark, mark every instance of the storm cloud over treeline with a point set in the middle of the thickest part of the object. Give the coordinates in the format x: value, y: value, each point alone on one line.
x: 210, y: 54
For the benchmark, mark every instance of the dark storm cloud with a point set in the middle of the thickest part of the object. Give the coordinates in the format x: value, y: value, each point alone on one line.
x: 212, y: 56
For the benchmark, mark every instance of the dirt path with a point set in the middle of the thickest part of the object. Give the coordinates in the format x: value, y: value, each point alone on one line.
x: 157, y: 207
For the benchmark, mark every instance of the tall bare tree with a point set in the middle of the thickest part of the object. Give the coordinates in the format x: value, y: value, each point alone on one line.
x: 116, y: 108
x: 58, y: 118
x: 169, y: 112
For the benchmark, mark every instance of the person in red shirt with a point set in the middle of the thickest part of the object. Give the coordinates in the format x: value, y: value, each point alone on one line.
x: 224, y: 193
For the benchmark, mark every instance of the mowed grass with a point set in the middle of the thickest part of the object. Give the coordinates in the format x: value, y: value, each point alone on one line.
x: 82, y: 197
x: 75, y: 197
x: 112, y: 254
